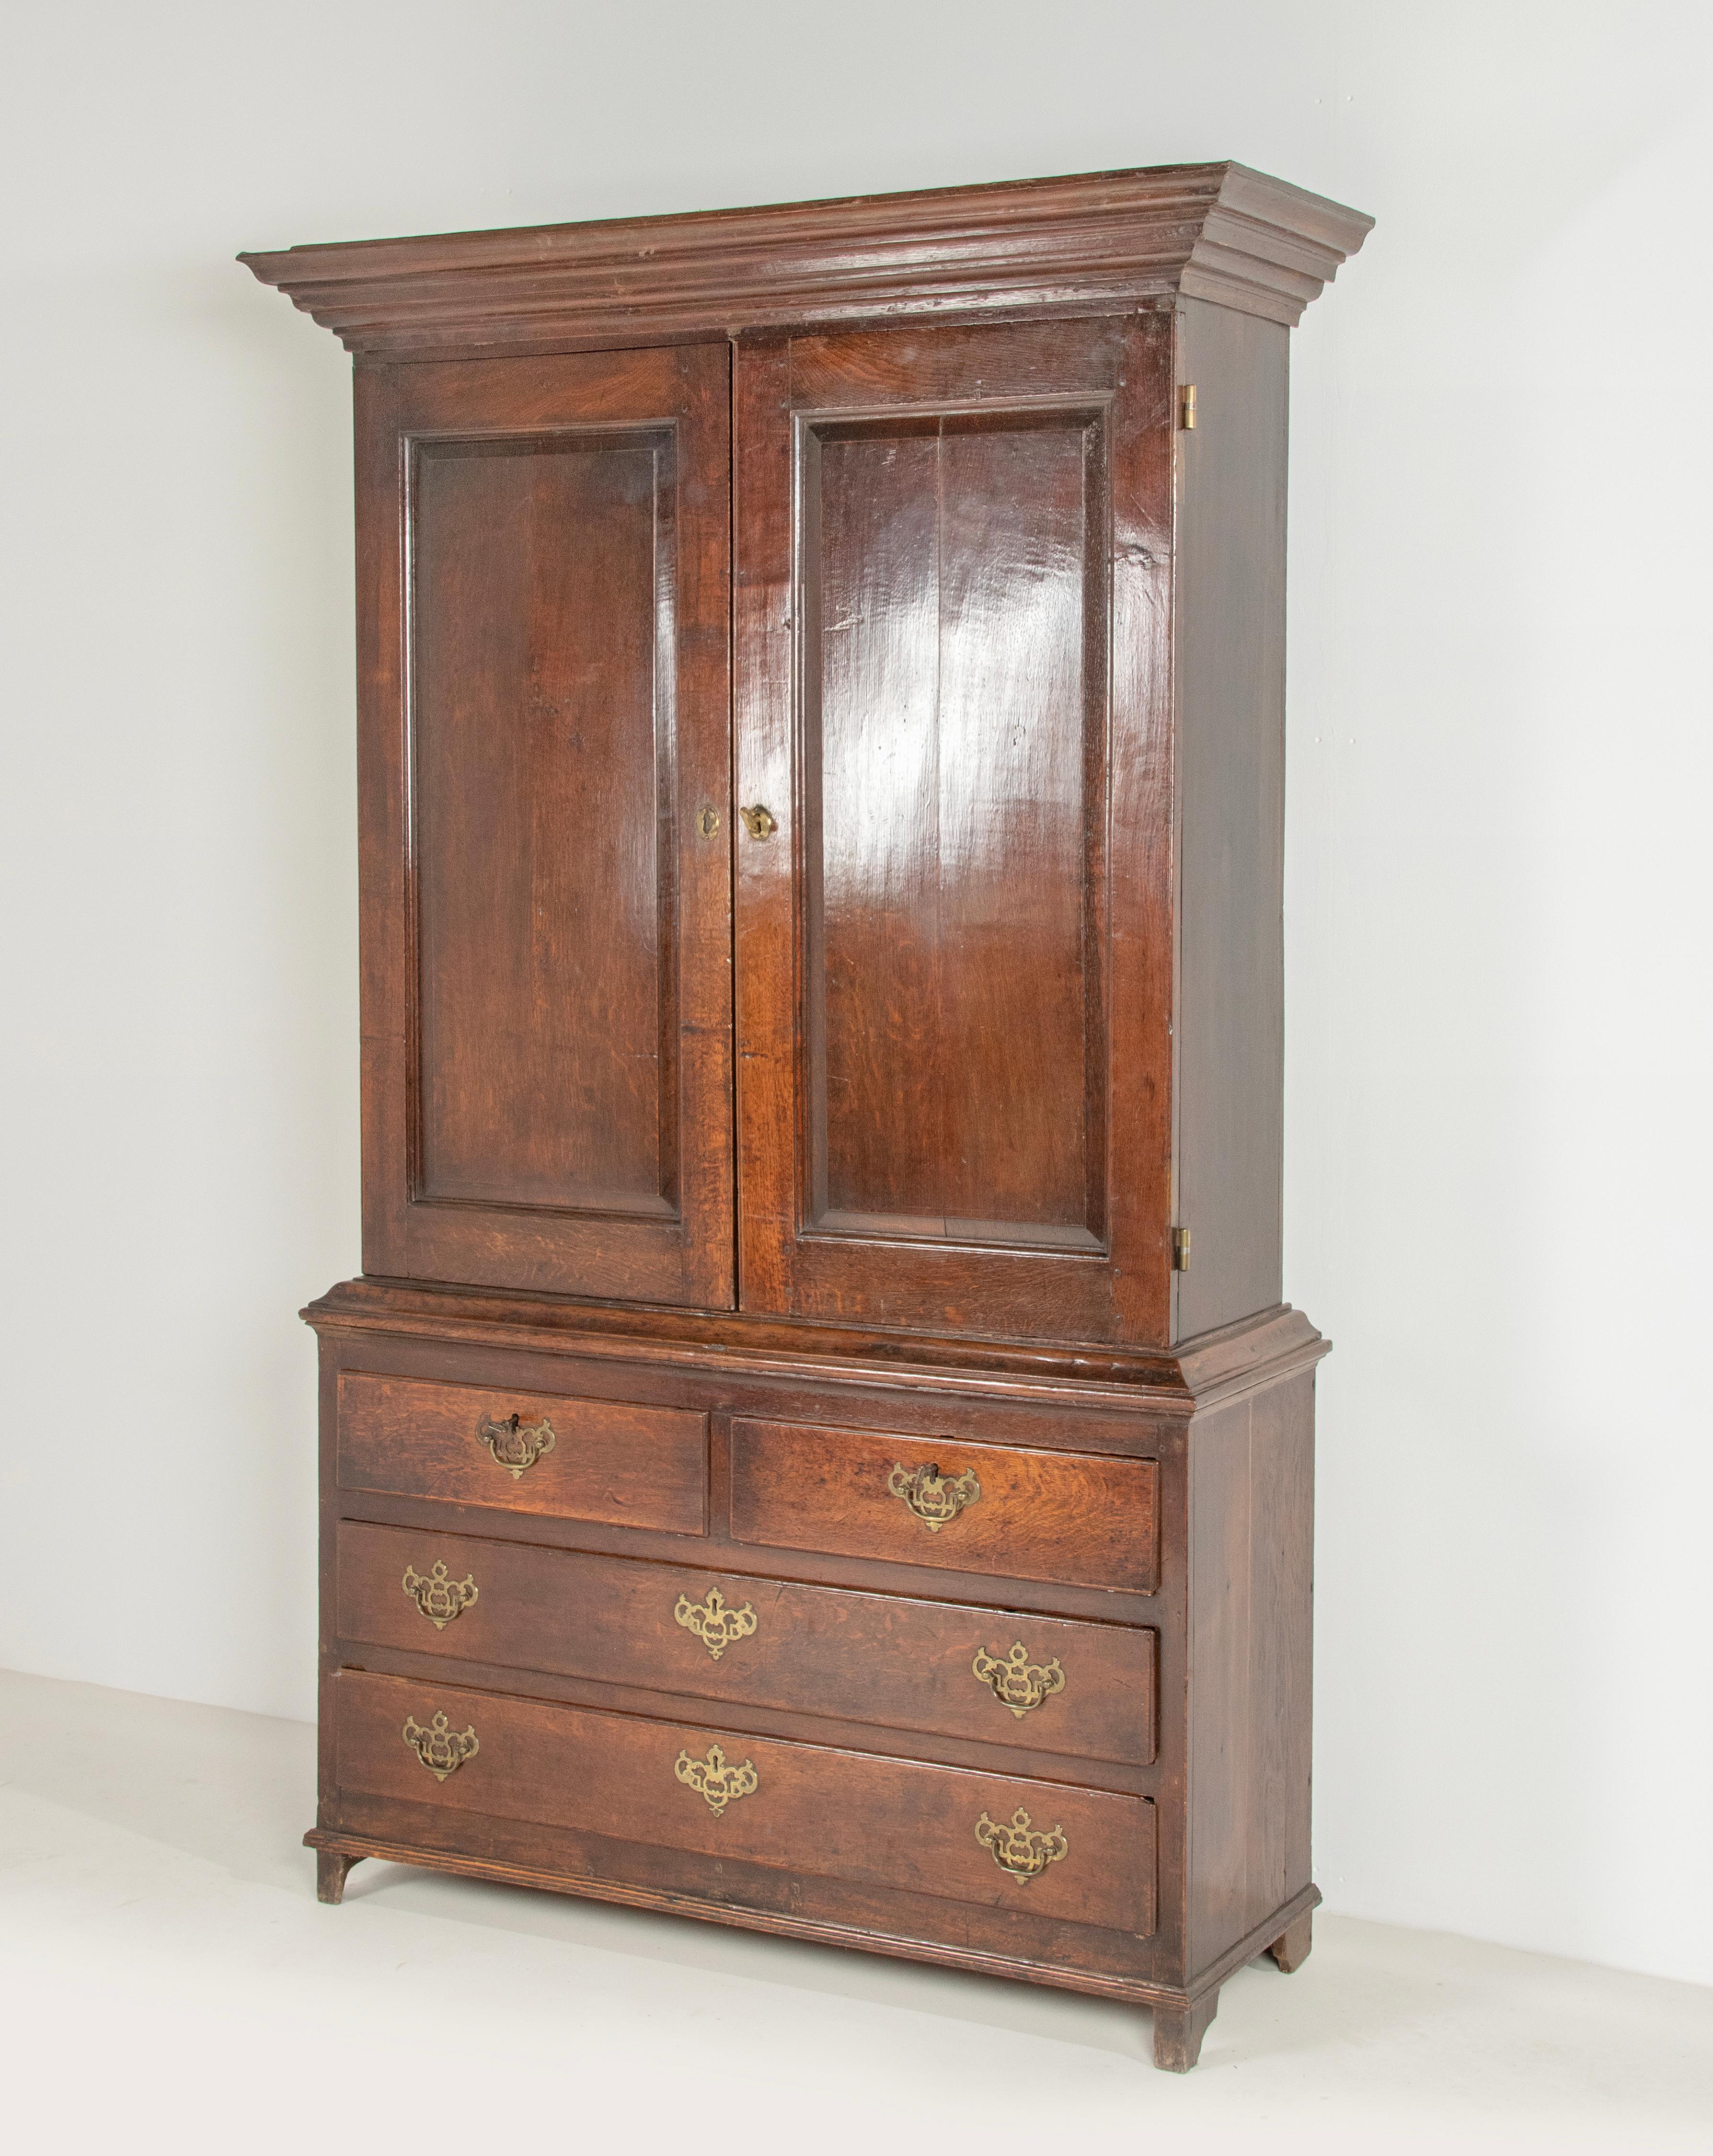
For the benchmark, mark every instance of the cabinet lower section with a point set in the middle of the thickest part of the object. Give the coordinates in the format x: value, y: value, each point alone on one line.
x: 1011, y: 1673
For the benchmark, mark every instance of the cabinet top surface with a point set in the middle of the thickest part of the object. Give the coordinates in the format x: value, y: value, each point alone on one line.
x: 1088, y: 242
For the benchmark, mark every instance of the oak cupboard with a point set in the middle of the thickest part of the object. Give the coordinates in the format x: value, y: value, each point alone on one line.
x: 818, y: 1442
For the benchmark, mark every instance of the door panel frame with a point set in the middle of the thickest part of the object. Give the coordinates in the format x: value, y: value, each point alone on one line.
x: 782, y: 384
x: 663, y: 1253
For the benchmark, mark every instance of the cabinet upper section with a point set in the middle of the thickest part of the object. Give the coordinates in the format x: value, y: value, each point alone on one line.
x: 1094, y: 241
x: 894, y: 512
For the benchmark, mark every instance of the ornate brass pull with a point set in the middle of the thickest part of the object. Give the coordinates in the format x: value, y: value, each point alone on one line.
x: 713, y: 1781
x: 760, y: 823
x: 1019, y: 1848
x: 442, y: 1749
x: 934, y: 1498
x: 517, y: 1444
x: 713, y: 1623
x: 439, y: 1598
x: 1017, y: 1682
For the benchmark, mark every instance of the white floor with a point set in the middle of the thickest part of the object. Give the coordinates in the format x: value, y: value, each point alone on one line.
x: 168, y: 1979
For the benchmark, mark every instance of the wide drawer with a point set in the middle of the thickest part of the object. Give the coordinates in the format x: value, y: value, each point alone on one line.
x: 538, y: 1453
x: 1084, y: 1856
x: 1044, y: 1684
x: 1081, y: 1519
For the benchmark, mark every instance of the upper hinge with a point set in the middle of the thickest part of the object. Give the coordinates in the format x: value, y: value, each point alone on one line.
x: 1186, y: 405
x: 1180, y: 1250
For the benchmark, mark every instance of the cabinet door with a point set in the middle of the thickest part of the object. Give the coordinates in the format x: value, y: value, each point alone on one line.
x: 955, y: 945
x: 544, y: 603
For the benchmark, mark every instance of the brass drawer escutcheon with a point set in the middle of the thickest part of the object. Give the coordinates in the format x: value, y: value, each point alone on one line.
x: 1017, y: 1683
x: 517, y: 1444
x: 715, y: 1782
x: 442, y: 1749
x: 1019, y: 1848
x: 935, y: 1499
x: 714, y: 1622
x: 439, y: 1598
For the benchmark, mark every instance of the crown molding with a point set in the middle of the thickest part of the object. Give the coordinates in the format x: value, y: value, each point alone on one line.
x: 1090, y: 242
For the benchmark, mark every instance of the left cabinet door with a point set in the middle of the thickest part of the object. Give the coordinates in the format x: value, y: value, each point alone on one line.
x: 545, y: 632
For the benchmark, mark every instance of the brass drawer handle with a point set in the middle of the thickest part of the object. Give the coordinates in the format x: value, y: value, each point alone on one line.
x: 517, y: 1444
x: 1019, y: 1848
x: 714, y: 1623
x: 439, y: 1597
x: 934, y: 1498
x: 715, y: 1782
x: 442, y: 1749
x: 1017, y: 1683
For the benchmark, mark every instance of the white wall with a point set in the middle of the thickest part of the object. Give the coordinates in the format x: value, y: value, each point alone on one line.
x: 1499, y: 894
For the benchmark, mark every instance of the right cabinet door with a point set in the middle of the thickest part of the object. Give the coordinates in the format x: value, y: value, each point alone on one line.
x: 954, y: 864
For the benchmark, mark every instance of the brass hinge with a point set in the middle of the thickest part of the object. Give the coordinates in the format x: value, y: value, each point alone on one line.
x: 1187, y: 406
x: 1180, y: 1250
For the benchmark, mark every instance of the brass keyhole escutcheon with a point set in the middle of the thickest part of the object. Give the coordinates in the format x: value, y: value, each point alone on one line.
x: 708, y: 822
x: 514, y: 1443
x: 759, y: 822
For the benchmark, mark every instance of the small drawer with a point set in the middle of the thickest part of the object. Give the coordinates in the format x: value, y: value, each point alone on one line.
x: 537, y: 1453
x: 1076, y: 1518
x: 1084, y: 1856
x: 1041, y: 1684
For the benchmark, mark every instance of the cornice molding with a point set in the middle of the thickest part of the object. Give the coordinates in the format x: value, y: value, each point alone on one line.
x: 1086, y: 243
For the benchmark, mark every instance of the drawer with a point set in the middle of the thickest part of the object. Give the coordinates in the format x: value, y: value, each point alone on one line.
x: 1085, y: 1856
x: 539, y: 1452
x: 1081, y: 1519
x: 1044, y: 1684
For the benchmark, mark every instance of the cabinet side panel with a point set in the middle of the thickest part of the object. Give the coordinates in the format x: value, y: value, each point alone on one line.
x: 1230, y: 683
x: 1251, y: 1643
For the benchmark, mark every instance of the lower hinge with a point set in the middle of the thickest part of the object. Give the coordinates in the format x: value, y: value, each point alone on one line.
x: 1180, y: 1250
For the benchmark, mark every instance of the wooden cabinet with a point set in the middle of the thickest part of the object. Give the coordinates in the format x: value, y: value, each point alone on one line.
x: 818, y: 1442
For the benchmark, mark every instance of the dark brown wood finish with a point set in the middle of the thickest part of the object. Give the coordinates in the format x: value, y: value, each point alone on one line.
x: 893, y: 1661
x: 1250, y: 1647
x: 1071, y: 1518
x: 542, y: 552
x: 809, y: 1809
x: 807, y: 1406
x: 1091, y: 242
x: 954, y: 573
x: 1230, y: 677
x: 523, y: 1451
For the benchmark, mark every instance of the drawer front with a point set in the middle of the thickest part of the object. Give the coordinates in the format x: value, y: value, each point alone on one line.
x: 1082, y: 1519
x: 1044, y: 1684
x: 535, y: 1453
x: 1085, y: 1856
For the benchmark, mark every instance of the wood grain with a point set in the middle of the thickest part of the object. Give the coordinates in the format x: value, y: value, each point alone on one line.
x: 877, y: 516
x: 835, y: 1815
x: 1250, y: 1647
x: 953, y: 573
x: 1051, y: 1515
x: 634, y: 1467
x: 1090, y: 242
x: 543, y: 579
x: 544, y: 755
x: 888, y: 1660
x: 954, y: 1014
x: 1162, y: 1383
x: 1230, y: 681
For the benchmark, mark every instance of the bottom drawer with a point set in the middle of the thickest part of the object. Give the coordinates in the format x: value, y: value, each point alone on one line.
x: 1082, y: 1857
